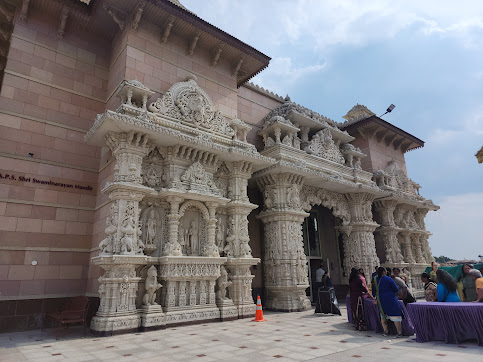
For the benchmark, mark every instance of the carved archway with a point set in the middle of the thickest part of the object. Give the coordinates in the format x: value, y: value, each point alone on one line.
x: 310, y: 196
x: 196, y: 205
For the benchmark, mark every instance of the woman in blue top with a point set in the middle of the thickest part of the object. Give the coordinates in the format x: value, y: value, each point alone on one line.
x: 446, y: 287
x: 385, y: 293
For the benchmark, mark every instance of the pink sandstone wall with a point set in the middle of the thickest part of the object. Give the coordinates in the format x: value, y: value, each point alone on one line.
x: 252, y: 107
x: 52, y: 91
x: 378, y: 154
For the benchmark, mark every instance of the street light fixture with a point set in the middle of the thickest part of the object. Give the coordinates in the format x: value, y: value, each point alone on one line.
x: 388, y: 110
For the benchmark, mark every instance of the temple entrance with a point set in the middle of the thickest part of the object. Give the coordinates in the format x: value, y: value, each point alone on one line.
x: 321, y: 244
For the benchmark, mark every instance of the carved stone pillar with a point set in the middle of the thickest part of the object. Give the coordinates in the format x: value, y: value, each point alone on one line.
x: 240, y: 290
x: 210, y: 249
x: 117, y: 291
x: 284, y: 260
x: 122, y: 249
x: 428, y: 256
x: 391, y: 244
x: 360, y: 251
x: 237, y: 247
x: 388, y: 230
x: 407, y: 248
x: 172, y: 247
x: 417, y: 249
x: 126, y: 191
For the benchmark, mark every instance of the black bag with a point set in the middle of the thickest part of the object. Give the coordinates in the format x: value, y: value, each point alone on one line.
x: 409, y: 298
x: 327, y: 301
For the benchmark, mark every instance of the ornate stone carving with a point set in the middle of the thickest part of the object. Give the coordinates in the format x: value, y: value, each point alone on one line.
x: 64, y: 14
x: 311, y: 196
x: 151, y: 286
x: 199, y: 180
x: 222, y: 284
x: 187, y: 102
x: 151, y: 228
x: 128, y: 229
x: 137, y: 15
x: 118, y: 16
x: 393, y: 177
x: 24, y: 10
x: 322, y: 145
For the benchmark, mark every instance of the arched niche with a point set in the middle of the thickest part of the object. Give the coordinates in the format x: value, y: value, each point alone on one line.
x: 192, y: 234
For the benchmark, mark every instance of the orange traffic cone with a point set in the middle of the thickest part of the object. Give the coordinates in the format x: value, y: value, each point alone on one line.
x: 259, y: 312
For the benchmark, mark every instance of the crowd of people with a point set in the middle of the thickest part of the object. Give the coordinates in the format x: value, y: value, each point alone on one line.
x: 440, y: 286
x: 388, y: 287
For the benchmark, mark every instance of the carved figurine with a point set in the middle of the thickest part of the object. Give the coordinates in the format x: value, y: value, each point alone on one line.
x: 151, y: 286
x: 192, y: 238
x: 140, y: 244
x: 151, y: 228
x: 127, y: 242
x: 222, y: 283
x: 220, y: 235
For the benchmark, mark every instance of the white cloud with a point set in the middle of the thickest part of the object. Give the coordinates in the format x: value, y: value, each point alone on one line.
x: 457, y: 227
x: 334, y: 22
x: 282, y: 74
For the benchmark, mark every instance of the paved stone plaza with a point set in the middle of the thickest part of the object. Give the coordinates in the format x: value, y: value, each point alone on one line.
x: 299, y: 336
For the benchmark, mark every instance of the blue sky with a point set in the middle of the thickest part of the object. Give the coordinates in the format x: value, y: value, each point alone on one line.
x: 426, y: 57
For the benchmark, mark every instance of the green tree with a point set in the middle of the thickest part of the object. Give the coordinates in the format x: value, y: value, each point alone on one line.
x: 442, y: 259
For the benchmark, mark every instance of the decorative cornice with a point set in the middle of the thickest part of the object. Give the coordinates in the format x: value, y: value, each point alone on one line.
x: 252, y: 86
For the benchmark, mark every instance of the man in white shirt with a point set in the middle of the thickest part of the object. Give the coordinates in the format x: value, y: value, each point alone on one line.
x: 319, y: 274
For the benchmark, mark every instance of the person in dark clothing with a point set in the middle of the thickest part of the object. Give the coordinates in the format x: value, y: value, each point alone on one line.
x: 356, y: 292
x: 326, y: 298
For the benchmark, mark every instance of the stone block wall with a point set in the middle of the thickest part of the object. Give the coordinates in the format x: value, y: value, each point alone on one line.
x: 252, y: 107
x: 52, y: 90
x: 378, y: 154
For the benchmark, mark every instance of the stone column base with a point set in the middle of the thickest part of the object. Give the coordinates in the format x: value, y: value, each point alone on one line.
x: 152, y: 317
x: 112, y: 325
x: 191, y: 316
x: 228, y: 311
x: 246, y: 310
x: 288, y: 299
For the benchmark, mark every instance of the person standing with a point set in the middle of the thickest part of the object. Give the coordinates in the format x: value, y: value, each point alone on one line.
x: 446, y: 287
x: 363, y: 278
x: 319, y: 275
x: 389, y: 308
x: 479, y: 290
x: 434, y: 269
x: 404, y: 293
x: 430, y: 293
x: 470, y: 274
x: 357, y: 290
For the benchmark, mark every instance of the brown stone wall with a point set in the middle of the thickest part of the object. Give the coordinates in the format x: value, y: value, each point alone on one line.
x: 252, y: 107
x: 378, y: 154
x: 53, y: 88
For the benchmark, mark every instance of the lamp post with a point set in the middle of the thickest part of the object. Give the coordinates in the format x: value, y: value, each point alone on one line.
x: 388, y: 110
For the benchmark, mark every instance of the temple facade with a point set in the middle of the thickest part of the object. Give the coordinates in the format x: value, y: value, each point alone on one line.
x: 140, y: 167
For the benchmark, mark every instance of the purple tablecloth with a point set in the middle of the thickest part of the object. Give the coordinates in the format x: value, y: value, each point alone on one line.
x: 373, y: 317
x: 449, y: 322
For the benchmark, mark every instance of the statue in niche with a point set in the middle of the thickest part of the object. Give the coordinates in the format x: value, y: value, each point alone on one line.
x: 296, y: 142
x: 220, y: 234
x: 151, y: 286
x: 192, y: 238
x: 151, y: 228
x: 182, y: 240
x: 222, y: 284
